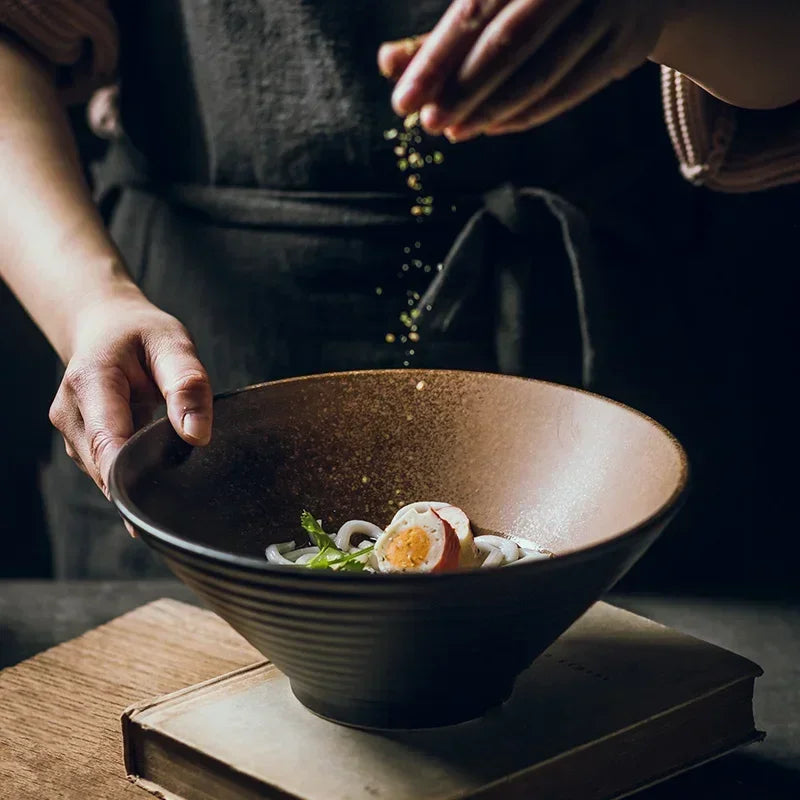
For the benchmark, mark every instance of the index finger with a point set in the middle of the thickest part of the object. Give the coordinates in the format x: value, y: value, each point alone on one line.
x: 442, y: 52
x: 104, y: 405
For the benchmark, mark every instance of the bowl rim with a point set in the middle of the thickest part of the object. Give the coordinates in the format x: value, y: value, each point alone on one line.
x: 150, y: 528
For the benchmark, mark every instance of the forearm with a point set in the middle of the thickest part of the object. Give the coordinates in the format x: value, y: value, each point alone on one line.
x: 744, y: 52
x: 54, y: 251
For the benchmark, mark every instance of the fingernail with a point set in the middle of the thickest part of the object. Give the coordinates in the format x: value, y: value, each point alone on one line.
x: 196, y: 426
x: 131, y: 531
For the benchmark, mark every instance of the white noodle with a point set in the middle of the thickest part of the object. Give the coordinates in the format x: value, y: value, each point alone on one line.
x: 493, y: 559
x: 533, y: 555
x: 294, y: 555
x: 352, y: 527
x: 275, y: 552
x: 508, y: 548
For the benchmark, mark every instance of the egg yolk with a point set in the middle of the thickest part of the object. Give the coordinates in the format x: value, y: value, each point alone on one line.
x: 409, y: 548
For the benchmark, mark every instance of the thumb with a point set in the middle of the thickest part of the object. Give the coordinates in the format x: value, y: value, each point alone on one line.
x: 184, y: 384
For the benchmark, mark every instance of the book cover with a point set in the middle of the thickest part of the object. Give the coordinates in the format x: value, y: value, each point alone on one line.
x: 617, y: 703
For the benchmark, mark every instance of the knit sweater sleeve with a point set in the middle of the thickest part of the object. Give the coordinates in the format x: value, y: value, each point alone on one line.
x: 725, y: 148
x: 77, y: 37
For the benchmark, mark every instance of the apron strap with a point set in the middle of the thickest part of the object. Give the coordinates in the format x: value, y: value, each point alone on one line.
x: 524, y: 214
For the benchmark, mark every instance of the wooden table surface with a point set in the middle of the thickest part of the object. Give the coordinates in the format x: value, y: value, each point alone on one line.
x: 59, y: 711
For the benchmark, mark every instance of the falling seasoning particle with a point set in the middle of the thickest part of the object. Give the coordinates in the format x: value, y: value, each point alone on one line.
x: 402, y: 165
x: 411, y: 121
x: 392, y: 134
x: 413, y: 182
x: 400, y: 150
x: 452, y: 208
x: 428, y: 160
x: 414, y: 336
x: 427, y: 210
x: 365, y: 479
x: 426, y: 201
x: 397, y: 491
x: 439, y: 267
x: 389, y: 338
x: 417, y: 245
x: 427, y: 268
x: 437, y: 157
x: 406, y: 250
x: 415, y: 295
x: 420, y: 386
x: 416, y: 211
x: 410, y: 301
x: 403, y: 339
x: 428, y: 308
x: 404, y: 267
x: 411, y: 352
x: 378, y: 290
x: 416, y: 262
x: 415, y: 313
x: 416, y: 160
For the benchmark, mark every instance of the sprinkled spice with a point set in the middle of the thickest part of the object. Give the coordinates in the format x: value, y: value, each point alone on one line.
x: 408, y: 145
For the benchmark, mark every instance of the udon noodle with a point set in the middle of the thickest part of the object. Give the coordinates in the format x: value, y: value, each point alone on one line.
x: 421, y: 537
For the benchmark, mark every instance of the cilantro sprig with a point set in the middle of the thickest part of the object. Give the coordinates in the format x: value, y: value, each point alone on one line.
x: 330, y: 556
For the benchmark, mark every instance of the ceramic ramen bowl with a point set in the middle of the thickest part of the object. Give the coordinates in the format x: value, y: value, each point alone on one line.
x: 586, y: 478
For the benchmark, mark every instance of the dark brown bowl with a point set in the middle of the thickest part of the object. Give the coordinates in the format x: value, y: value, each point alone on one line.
x: 589, y: 479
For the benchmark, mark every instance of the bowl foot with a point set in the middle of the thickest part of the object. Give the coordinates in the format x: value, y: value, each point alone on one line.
x: 384, y: 716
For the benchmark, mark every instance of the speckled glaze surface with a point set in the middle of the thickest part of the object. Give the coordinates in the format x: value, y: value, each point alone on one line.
x: 591, y: 480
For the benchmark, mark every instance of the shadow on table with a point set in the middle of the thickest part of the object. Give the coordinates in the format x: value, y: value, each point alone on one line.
x: 740, y: 776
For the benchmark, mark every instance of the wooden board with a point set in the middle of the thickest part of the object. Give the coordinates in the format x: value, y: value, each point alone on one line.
x: 60, y: 710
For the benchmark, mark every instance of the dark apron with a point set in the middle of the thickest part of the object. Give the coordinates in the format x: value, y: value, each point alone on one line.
x: 255, y: 198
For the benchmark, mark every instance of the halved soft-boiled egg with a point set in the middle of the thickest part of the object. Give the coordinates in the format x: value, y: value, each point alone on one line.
x: 419, y: 541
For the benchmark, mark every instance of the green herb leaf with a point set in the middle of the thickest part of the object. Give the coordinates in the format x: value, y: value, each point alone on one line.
x: 323, y: 559
x: 335, y: 559
x: 318, y: 536
x: 351, y: 562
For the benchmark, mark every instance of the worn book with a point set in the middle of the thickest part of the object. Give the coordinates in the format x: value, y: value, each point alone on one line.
x: 616, y: 704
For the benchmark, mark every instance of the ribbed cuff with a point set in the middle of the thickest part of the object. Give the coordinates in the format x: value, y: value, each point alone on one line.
x: 78, y: 36
x: 725, y: 148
